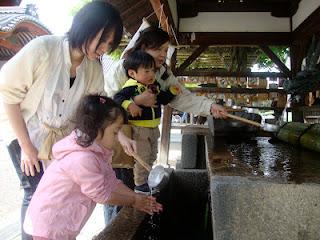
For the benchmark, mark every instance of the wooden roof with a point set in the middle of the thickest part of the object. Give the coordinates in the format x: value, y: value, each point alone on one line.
x: 277, y: 8
x: 17, y: 28
x: 133, y: 11
x: 231, y: 51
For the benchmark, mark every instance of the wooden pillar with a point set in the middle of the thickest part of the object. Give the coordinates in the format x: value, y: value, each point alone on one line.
x: 165, y: 135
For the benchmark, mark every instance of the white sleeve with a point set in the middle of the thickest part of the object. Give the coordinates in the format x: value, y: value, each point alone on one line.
x: 19, y: 73
x: 114, y: 77
x: 187, y: 101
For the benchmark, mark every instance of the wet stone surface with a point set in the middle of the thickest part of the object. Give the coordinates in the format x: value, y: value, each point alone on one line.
x: 265, y: 157
x: 263, y: 190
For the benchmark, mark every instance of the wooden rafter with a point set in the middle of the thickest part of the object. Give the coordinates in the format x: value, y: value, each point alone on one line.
x: 168, y: 13
x: 191, y: 58
x: 9, y: 45
x: 233, y: 56
x: 283, y: 68
x: 235, y: 38
x: 191, y: 8
x: 165, y: 16
x: 301, y: 37
x: 224, y: 73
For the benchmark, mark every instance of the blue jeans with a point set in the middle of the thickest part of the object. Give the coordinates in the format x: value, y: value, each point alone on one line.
x: 126, y: 176
x: 28, y: 183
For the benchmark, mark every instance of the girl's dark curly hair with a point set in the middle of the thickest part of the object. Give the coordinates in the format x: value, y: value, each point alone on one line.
x: 94, y: 114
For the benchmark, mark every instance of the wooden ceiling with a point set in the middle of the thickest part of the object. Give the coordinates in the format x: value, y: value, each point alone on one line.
x: 133, y: 11
x: 231, y: 51
x: 278, y: 8
x: 209, y: 49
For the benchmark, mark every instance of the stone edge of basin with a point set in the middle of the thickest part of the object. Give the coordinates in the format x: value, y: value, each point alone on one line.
x: 123, y: 227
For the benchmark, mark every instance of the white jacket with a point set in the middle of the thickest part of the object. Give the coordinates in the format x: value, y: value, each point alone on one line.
x: 24, y: 77
x: 115, y: 77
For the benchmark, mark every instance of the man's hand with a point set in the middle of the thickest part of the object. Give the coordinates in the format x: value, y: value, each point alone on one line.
x: 135, y: 110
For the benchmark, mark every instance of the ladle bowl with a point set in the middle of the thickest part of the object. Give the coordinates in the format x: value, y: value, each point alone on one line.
x: 158, y: 177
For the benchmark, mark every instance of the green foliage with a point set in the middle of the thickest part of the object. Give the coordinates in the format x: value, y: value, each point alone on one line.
x: 265, y: 62
x: 309, y: 79
x: 77, y: 7
x: 116, y: 54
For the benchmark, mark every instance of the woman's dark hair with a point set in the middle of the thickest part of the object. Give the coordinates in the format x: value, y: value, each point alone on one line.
x: 150, y: 38
x: 137, y: 59
x: 91, y: 19
x: 94, y: 114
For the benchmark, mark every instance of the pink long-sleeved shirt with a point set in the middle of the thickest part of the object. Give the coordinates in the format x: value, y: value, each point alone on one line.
x: 77, y: 179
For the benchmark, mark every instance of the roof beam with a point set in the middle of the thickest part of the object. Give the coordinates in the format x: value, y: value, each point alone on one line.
x: 224, y: 73
x: 165, y: 18
x: 283, y: 68
x: 236, y: 38
x: 278, y: 9
x: 9, y: 45
x: 191, y: 58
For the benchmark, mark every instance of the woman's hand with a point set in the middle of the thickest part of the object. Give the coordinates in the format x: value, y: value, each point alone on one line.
x: 175, y: 89
x: 217, y: 111
x: 147, y: 99
x: 29, y: 160
x: 135, y: 110
x: 147, y: 204
x: 129, y: 146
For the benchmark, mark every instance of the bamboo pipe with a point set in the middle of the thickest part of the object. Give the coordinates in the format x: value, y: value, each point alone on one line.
x: 143, y: 163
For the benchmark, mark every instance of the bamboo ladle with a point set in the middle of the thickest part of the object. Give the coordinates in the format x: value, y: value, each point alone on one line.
x: 158, y: 177
x: 266, y: 127
x: 143, y: 164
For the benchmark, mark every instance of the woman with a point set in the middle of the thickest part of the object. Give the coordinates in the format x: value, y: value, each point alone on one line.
x: 155, y: 41
x: 42, y: 84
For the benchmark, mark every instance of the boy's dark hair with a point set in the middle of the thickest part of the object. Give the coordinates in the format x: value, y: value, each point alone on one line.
x: 137, y: 59
x: 94, y: 114
x: 92, y: 18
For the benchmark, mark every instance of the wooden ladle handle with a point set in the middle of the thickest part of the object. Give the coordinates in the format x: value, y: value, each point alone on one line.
x: 241, y: 119
x: 143, y: 163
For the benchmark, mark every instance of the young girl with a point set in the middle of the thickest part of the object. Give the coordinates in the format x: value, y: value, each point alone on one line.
x: 43, y: 83
x: 81, y: 175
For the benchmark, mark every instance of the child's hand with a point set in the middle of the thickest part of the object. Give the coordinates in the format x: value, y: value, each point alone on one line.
x: 175, y: 89
x: 129, y: 146
x: 134, y: 110
x: 147, y: 204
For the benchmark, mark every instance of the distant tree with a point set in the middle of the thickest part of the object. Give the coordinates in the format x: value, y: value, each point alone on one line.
x: 265, y: 62
x: 116, y: 54
x: 77, y: 6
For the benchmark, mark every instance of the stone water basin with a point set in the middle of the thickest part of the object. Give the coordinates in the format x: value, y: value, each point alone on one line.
x: 186, y: 212
x: 262, y: 190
